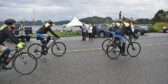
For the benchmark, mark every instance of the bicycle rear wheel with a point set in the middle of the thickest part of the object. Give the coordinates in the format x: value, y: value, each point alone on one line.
x: 113, y: 52
x: 25, y: 63
x: 134, y: 49
x: 35, y: 49
x: 106, y: 43
x: 58, y: 49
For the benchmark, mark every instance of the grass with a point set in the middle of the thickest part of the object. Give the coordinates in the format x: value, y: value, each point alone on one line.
x: 64, y: 33
x: 157, y: 27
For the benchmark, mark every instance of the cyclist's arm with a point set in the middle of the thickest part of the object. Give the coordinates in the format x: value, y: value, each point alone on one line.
x: 52, y: 32
x: 11, y: 36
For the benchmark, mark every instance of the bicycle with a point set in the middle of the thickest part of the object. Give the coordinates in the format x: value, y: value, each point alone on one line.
x: 107, y: 42
x: 56, y: 49
x: 113, y: 50
x: 19, y: 61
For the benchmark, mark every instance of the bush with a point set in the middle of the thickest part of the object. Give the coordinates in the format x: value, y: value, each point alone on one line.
x: 152, y: 29
x: 157, y: 27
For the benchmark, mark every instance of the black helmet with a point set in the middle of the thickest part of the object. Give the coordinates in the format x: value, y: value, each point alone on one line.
x: 128, y: 20
x: 50, y: 22
x: 118, y: 20
x: 10, y: 21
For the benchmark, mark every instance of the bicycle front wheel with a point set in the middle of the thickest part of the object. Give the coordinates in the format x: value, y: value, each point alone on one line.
x: 25, y: 63
x: 113, y: 52
x: 35, y: 49
x: 58, y: 49
x: 134, y: 49
x: 106, y: 43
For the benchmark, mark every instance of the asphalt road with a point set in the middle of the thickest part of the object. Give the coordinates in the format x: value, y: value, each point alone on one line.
x: 86, y: 63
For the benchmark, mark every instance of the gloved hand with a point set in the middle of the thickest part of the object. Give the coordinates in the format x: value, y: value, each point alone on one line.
x: 21, y: 45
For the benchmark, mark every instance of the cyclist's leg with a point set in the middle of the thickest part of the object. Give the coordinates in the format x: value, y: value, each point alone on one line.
x: 106, y: 34
x: 48, y: 39
x: 5, y: 52
x: 122, y: 40
x: 123, y: 46
x: 45, y: 40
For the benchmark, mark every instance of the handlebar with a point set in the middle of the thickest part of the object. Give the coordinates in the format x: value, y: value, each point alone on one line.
x: 130, y: 37
x: 19, y: 49
x: 54, y: 38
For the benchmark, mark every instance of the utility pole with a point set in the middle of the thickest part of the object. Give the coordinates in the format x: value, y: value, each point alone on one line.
x: 120, y: 14
x: 33, y: 17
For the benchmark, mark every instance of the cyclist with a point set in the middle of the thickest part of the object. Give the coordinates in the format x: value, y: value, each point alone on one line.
x: 116, y: 26
x: 5, y: 33
x: 124, y: 29
x: 41, y: 33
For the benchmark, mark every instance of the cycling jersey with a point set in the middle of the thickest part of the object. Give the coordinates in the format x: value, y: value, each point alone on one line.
x: 5, y: 33
x: 44, y: 29
x: 125, y: 29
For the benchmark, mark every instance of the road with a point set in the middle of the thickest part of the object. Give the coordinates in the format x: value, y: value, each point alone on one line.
x: 86, y: 63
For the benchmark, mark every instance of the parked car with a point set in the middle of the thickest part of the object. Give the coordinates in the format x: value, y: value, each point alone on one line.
x: 141, y: 30
x: 165, y: 29
x: 28, y: 32
x: 101, y: 30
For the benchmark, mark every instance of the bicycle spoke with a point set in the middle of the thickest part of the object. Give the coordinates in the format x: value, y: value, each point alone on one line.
x: 58, y: 49
x: 35, y: 49
x: 25, y: 63
x: 106, y: 43
x: 114, y: 52
x: 134, y: 49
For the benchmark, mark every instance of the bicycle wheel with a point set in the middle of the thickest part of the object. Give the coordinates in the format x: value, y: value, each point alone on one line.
x: 35, y: 49
x: 113, y: 52
x: 134, y: 49
x: 106, y: 43
x: 58, y: 49
x: 25, y: 63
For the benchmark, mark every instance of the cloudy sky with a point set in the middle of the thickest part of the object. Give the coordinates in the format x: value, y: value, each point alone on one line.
x: 66, y: 9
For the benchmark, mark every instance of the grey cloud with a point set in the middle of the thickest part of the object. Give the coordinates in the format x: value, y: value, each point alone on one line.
x: 67, y: 9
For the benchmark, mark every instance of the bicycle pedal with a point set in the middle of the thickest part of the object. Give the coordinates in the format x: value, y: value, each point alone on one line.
x: 45, y: 52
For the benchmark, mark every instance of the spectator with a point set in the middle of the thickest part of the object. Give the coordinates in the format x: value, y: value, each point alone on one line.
x: 107, y: 31
x: 84, y: 32
x: 94, y: 30
x: 22, y: 33
x: 132, y: 26
x: 90, y: 28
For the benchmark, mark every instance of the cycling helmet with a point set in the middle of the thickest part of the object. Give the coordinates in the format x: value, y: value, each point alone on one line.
x: 10, y: 21
x: 128, y: 20
x: 118, y: 20
x: 50, y: 22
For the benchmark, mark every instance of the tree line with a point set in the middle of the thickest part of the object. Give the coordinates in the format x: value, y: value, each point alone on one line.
x: 160, y: 16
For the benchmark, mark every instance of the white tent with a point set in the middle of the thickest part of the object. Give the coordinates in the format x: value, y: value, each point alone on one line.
x: 74, y: 23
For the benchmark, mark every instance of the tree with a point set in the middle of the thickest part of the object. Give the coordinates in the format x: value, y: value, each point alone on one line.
x: 160, y: 16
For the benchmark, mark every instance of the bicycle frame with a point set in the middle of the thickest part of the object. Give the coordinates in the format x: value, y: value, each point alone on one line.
x: 54, y: 41
x: 17, y: 51
x: 119, y: 44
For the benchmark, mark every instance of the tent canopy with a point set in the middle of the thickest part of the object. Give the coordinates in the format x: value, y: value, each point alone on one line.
x: 74, y: 23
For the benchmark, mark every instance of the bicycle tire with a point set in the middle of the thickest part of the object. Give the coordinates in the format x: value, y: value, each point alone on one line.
x: 103, y: 44
x: 23, y: 54
x: 37, y: 55
x: 129, y: 46
x: 112, y: 48
x: 54, y: 52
